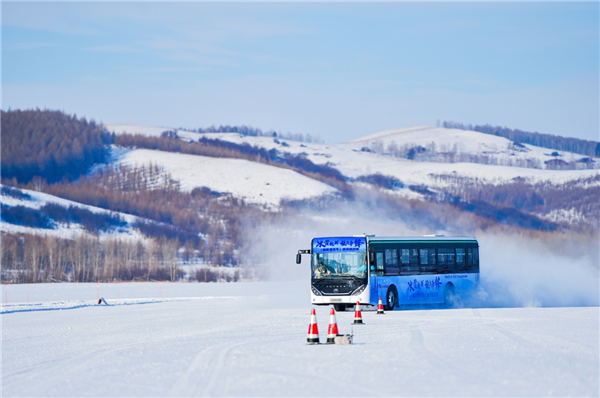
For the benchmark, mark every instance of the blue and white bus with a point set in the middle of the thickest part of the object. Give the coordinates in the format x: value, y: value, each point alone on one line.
x: 401, y: 270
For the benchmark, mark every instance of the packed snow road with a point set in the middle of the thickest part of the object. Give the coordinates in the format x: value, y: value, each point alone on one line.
x: 249, y: 339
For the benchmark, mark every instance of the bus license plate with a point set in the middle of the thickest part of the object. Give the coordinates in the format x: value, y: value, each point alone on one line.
x: 338, y: 300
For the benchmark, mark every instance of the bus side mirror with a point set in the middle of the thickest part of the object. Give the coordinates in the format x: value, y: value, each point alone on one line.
x: 372, y: 257
x: 298, y: 258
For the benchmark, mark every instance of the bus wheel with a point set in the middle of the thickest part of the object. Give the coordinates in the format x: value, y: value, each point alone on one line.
x: 339, y: 307
x: 449, y: 294
x: 391, y: 299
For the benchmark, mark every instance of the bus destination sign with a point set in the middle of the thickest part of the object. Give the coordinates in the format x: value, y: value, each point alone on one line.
x: 343, y: 244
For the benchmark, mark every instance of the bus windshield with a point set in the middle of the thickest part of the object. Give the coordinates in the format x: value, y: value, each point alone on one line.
x: 327, y: 265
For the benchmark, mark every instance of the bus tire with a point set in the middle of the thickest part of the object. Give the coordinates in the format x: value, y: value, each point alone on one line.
x: 391, y: 298
x: 449, y: 294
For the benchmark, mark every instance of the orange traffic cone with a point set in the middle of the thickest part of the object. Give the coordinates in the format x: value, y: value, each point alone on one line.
x: 380, y: 307
x: 358, y: 315
x: 313, y: 330
x: 332, y: 330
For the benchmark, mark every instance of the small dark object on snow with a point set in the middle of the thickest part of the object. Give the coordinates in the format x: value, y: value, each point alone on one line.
x: 343, y: 339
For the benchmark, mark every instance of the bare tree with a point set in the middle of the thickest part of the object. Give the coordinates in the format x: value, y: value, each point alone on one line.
x: 39, y: 183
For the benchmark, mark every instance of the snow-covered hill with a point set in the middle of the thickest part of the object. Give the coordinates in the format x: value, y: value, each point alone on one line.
x: 463, y: 143
x: 254, y: 182
x: 353, y: 162
x: 36, y: 200
x: 446, y: 157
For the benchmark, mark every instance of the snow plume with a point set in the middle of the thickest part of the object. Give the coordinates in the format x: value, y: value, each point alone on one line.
x: 273, y: 245
x: 518, y: 272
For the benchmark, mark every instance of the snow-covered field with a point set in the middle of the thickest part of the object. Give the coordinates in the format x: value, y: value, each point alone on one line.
x: 255, y: 182
x: 461, y: 142
x: 248, y: 339
x: 64, y: 230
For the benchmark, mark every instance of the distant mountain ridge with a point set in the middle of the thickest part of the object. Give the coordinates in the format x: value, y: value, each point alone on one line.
x: 568, y: 144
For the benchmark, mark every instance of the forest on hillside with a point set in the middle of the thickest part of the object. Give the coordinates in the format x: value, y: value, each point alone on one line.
x: 55, y: 153
x: 256, y: 132
x: 50, y: 145
x: 567, y: 144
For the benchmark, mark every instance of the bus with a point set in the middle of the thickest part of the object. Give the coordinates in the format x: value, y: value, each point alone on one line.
x: 402, y: 271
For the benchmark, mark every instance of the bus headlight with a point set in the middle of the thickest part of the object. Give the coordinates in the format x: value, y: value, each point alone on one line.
x: 359, y: 290
x: 315, y: 291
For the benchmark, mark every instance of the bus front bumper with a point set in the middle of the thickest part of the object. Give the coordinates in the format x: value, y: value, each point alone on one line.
x: 362, y: 298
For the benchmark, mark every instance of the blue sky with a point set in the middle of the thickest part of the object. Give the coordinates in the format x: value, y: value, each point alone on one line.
x: 334, y: 70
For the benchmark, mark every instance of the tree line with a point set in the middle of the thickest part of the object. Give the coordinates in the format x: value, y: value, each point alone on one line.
x: 86, y: 258
x: 445, y: 153
x: 50, y: 145
x: 256, y: 132
x: 545, y: 200
x: 567, y: 144
x: 212, y: 223
x: 49, y: 215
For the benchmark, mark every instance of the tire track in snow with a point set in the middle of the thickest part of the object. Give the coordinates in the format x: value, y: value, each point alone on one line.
x: 69, y: 365
x: 417, y: 342
x: 511, y: 335
x: 203, y: 372
x: 505, y: 332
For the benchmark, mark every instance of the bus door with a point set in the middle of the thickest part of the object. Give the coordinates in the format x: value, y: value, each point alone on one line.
x: 377, y: 271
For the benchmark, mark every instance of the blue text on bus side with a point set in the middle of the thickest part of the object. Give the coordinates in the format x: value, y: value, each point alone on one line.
x: 424, y: 284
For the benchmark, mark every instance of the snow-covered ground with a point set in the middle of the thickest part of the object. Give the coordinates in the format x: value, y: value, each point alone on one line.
x: 461, y: 142
x: 249, y: 339
x: 252, y: 181
x: 64, y: 230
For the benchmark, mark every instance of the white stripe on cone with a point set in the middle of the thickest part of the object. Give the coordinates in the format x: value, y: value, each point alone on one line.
x: 313, y: 330
x: 380, y: 307
x: 332, y: 330
x: 358, y: 314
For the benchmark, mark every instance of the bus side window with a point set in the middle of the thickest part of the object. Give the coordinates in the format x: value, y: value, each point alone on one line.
x: 379, y: 262
x: 414, y: 261
x: 432, y: 257
x: 391, y: 259
x: 427, y: 261
x: 404, y: 256
x: 414, y: 257
x: 391, y: 262
x: 460, y: 258
x: 410, y: 261
x: 442, y: 264
x: 473, y: 260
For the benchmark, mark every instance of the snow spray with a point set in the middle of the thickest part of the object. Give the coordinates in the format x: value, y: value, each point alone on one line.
x: 98, y: 290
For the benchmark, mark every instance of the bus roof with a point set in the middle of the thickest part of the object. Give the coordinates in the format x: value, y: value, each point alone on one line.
x: 420, y: 238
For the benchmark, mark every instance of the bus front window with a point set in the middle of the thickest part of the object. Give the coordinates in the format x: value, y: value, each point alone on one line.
x: 326, y: 265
